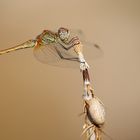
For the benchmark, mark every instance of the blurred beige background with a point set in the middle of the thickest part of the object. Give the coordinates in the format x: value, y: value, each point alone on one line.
x: 41, y: 102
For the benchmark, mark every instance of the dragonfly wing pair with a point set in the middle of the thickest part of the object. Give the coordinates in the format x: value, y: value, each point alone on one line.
x: 54, y: 54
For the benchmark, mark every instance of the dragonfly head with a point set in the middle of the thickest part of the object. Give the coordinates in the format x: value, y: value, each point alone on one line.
x: 63, y: 33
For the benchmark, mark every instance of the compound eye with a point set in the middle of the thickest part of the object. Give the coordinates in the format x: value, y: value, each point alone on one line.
x: 63, y: 33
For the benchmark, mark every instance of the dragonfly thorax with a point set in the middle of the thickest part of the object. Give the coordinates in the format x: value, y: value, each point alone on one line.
x: 47, y: 37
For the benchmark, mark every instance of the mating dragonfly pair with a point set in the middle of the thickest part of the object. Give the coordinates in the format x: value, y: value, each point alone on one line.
x: 57, y: 48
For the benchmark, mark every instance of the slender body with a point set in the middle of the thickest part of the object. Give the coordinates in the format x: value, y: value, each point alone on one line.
x: 53, y: 47
x: 27, y: 44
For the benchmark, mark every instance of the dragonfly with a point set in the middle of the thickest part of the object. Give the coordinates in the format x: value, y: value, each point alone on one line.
x: 57, y: 47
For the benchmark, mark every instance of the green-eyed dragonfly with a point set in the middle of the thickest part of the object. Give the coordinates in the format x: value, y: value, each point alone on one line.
x: 56, y: 48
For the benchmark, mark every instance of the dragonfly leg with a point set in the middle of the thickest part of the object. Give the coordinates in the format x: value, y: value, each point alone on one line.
x: 66, y: 58
x: 68, y: 45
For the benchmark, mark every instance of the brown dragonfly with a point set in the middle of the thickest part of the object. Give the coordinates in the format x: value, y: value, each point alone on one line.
x: 56, y: 48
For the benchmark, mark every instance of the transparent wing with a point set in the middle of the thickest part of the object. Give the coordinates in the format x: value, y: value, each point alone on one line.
x: 54, y: 54
x: 91, y: 50
x: 49, y: 54
x: 77, y: 32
